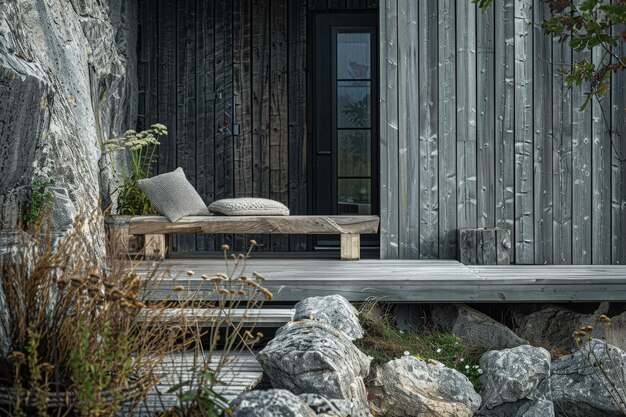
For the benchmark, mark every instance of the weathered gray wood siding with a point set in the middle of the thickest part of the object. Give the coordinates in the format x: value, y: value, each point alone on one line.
x: 478, y: 129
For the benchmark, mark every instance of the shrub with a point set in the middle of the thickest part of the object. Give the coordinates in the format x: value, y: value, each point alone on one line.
x: 41, y: 200
x: 85, y: 337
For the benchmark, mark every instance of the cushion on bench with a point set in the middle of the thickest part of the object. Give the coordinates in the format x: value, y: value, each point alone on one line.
x: 248, y: 207
x: 173, y: 196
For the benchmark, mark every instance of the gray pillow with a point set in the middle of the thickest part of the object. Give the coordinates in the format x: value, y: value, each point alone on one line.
x: 248, y: 207
x: 173, y: 196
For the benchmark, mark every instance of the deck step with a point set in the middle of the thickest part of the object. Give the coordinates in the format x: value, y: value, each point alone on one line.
x: 242, y: 372
x: 205, y: 317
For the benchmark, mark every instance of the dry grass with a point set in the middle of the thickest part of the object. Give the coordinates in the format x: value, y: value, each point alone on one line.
x: 82, y: 340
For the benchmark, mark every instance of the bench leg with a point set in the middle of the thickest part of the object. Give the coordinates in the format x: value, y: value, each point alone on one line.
x: 350, y: 247
x: 155, y: 246
x: 118, y: 240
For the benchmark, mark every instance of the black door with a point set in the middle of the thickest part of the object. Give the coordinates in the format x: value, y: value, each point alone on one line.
x: 344, y: 75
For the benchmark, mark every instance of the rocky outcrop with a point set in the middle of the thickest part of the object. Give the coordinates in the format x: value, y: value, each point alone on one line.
x: 580, y: 382
x: 475, y: 329
x: 67, y: 82
x: 552, y: 325
x: 309, y: 356
x: 334, y: 310
x: 511, y: 380
x: 412, y: 387
x: 63, y: 210
x: 273, y: 402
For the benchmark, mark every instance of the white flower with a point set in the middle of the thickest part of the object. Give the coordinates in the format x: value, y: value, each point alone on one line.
x: 406, y: 353
x: 462, y: 360
x: 467, y: 366
x: 439, y: 350
x: 480, y: 371
x: 401, y: 332
x: 475, y: 366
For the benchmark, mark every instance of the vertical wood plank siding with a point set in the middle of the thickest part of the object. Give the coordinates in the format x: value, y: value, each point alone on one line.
x: 485, y: 127
x: 618, y: 164
x: 408, y: 126
x: 477, y: 128
x: 466, y: 113
x: 495, y: 137
x: 542, y: 119
x: 206, y: 64
x: 447, y: 128
x: 428, y: 100
x: 390, y: 177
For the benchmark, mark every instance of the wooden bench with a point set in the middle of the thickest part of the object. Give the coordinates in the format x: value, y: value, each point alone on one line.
x: 154, y: 229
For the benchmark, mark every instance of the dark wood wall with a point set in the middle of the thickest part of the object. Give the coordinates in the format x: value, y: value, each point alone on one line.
x: 206, y: 64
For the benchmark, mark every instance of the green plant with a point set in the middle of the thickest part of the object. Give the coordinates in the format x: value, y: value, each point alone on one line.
x: 41, y: 200
x: 201, y: 399
x: 142, y: 149
x: 587, y: 25
x: 383, y: 341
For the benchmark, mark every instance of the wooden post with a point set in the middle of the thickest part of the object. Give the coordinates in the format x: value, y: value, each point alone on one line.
x: 485, y: 246
x: 350, y: 247
x: 155, y: 247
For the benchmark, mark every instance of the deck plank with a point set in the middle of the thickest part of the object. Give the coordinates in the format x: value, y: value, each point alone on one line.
x: 242, y: 373
x: 292, y: 280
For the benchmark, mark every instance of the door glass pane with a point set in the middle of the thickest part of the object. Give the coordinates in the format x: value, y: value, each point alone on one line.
x: 353, y: 56
x: 353, y: 104
x: 355, y: 196
x: 354, y: 153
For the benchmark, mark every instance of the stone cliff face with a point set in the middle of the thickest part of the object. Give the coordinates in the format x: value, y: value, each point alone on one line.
x: 67, y: 83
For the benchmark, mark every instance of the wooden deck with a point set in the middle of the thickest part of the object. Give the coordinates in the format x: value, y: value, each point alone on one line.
x: 292, y: 280
x: 242, y: 373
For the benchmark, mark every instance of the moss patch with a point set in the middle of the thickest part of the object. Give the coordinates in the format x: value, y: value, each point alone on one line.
x: 383, y: 341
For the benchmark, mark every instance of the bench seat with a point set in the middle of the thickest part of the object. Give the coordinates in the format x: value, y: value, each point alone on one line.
x: 154, y: 228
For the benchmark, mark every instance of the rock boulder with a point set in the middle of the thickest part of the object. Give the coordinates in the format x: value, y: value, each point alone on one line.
x: 552, y: 325
x: 334, y: 310
x: 273, y: 402
x: 412, y: 387
x: 475, y: 329
x: 334, y: 408
x: 579, y: 383
x: 511, y: 380
x: 309, y: 356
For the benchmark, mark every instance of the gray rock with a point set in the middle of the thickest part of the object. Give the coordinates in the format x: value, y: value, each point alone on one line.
x: 411, y: 387
x: 308, y: 356
x: 511, y: 380
x: 411, y: 317
x: 579, y: 387
x: 475, y: 329
x: 273, y: 402
x: 552, y: 326
x: 334, y: 310
x: 63, y: 210
x: 67, y: 83
x: 333, y: 407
